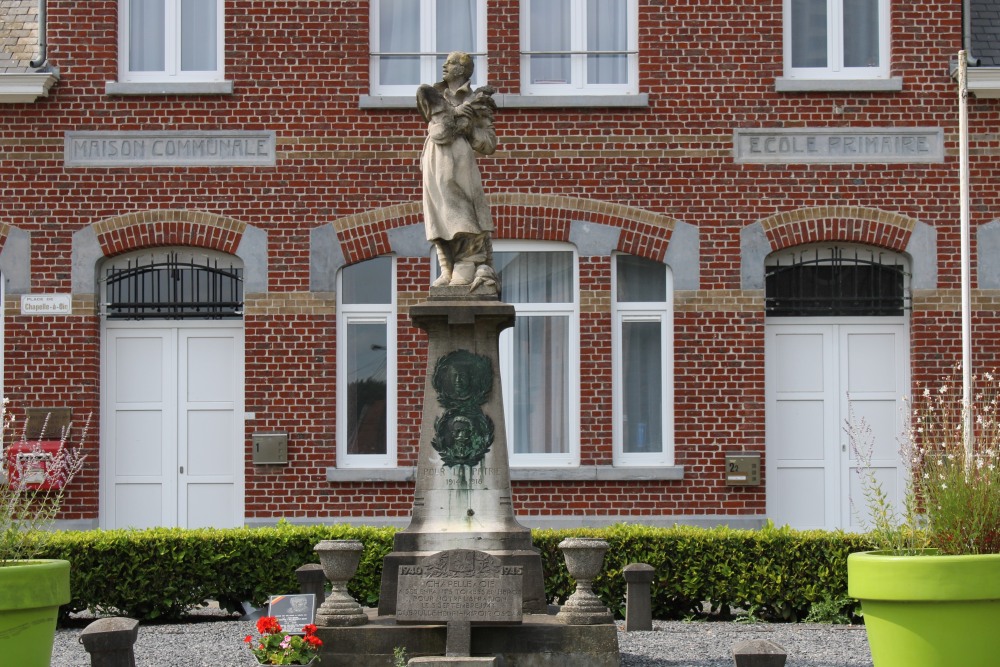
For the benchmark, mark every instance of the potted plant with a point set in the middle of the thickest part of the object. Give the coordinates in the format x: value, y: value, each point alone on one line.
x: 931, y: 595
x: 32, y: 485
x: 276, y: 647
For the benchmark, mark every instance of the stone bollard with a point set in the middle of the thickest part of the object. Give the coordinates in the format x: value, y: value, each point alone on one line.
x: 312, y: 580
x: 759, y: 653
x: 638, y: 597
x: 109, y: 642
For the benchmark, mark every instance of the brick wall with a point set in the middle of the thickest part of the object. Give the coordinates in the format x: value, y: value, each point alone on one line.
x: 298, y: 68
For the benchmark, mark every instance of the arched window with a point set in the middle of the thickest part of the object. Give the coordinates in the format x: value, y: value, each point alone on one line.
x: 173, y: 285
x: 831, y: 281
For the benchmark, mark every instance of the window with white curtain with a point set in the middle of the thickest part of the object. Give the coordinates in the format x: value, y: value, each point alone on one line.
x: 579, y: 46
x: 171, y: 40
x: 410, y: 40
x: 836, y: 39
x: 539, y: 356
x: 642, y: 340
x: 366, y: 365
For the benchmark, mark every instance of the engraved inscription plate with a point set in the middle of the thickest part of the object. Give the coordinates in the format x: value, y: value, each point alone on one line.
x: 184, y: 148
x: 459, y: 585
x: 293, y: 612
x: 839, y: 145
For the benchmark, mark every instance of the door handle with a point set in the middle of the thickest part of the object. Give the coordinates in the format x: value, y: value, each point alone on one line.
x: 182, y: 470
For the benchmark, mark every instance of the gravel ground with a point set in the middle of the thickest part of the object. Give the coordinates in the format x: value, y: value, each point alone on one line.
x: 219, y: 643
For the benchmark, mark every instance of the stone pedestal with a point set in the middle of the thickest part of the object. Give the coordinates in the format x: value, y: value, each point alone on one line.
x: 584, y: 560
x: 538, y: 640
x: 462, y: 498
x: 340, y: 559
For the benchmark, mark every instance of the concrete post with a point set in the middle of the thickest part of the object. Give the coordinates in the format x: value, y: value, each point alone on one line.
x: 109, y: 642
x: 759, y: 653
x: 638, y: 596
x: 312, y: 580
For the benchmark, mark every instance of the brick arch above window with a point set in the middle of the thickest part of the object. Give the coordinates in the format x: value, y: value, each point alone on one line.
x: 855, y: 224
x: 166, y: 227
x: 516, y: 216
x: 169, y: 227
x: 524, y: 216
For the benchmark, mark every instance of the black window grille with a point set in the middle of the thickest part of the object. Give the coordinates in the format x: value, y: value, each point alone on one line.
x: 821, y: 282
x: 169, y: 287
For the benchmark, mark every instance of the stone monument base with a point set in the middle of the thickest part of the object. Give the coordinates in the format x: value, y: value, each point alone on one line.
x: 540, y: 640
x: 533, y: 586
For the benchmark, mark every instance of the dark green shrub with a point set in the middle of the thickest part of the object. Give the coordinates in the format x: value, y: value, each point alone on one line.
x: 159, y: 574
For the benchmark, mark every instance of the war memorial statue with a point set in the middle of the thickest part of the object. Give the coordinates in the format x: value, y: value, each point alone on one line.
x: 463, y: 578
x: 456, y: 213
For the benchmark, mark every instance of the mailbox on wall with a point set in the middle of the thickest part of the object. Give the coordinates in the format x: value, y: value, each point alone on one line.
x: 742, y: 469
x: 31, y: 463
x: 270, y: 448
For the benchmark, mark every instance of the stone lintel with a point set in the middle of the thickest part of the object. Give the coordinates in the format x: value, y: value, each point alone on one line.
x: 462, y: 312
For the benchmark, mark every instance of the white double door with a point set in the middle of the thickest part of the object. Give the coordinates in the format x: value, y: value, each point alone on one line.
x: 172, y: 436
x: 819, y: 375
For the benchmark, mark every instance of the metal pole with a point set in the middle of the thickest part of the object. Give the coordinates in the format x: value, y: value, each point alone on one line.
x: 963, y: 148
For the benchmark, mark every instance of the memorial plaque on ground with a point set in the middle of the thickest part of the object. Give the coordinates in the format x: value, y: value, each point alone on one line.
x: 459, y: 585
x: 293, y: 611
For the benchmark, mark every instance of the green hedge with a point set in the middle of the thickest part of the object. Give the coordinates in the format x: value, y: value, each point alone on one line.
x: 158, y: 574
x: 776, y: 573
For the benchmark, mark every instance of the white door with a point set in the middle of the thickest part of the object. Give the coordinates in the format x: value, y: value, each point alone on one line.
x: 818, y: 375
x: 172, y: 425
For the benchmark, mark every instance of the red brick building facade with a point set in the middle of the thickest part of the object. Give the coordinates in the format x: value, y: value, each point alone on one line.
x: 724, y: 138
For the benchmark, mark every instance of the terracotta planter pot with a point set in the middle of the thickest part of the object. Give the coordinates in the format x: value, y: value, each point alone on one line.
x: 31, y: 593
x: 928, y: 610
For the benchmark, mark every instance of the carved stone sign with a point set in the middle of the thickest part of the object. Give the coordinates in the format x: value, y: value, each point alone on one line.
x: 185, y: 148
x: 459, y: 585
x: 839, y: 145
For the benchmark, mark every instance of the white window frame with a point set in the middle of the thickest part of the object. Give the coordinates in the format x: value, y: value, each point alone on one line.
x: 835, y: 46
x: 172, y: 47
x: 578, y: 47
x: 637, y: 311
x: 430, y: 70
x: 569, y: 310
x: 367, y: 313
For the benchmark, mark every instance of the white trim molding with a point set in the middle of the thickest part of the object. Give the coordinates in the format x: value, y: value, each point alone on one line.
x: 16, y: 87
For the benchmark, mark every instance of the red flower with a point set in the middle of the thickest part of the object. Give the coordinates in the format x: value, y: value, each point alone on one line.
x: 248, y: 639
x: 309, y: 629
x: 313, y: 641
x: 268, y: 625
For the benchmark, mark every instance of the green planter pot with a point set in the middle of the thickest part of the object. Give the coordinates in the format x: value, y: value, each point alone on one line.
x: 928, y: 610
x: 31, y: 593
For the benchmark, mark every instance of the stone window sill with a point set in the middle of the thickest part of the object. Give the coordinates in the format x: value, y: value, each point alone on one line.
x: 505, y: 101
x: 168, y: 88
x: 786, y: 85
x: 579, y: 473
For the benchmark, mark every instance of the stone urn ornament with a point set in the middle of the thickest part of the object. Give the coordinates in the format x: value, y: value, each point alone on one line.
x: 340, y: 559
x: 584, y: 560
